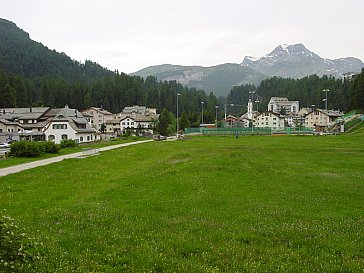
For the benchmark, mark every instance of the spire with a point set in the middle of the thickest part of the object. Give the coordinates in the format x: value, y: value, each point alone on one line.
x: 250, y: 109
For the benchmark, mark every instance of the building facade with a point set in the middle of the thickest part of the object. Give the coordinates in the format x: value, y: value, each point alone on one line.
x: 97, y: 117
x: 319, y: 119
x: 283, y: 106
x: 69, y: 124
x: 271, y: 120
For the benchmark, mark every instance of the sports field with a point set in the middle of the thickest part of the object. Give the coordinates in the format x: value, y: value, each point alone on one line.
x: 206, y: 204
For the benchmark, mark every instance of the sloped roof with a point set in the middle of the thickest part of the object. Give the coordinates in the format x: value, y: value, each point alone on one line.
x: 73, y: 117
x: 98, y: 109
x: 141, y: 118
x: 6, y: 122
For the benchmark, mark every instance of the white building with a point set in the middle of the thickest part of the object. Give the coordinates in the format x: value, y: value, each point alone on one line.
x: 69, y: 124
x: 138, y: 123
x: 277, y: 104
x: 271, y: 120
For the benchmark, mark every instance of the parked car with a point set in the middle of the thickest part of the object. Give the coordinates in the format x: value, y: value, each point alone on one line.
x: 159, y: 137
x: 4, y: 145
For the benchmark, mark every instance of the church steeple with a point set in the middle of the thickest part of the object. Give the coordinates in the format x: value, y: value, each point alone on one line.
x: 250, y: 109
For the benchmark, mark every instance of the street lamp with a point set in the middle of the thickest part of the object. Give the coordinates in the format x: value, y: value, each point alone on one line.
x: 232, y: 104
x: 325, y: 90
x: 216, y: 107
x: 252, y: 93
x: 257, y: 102
x: 313, y: 115
x: 202, y: 113
x: 178, y: 94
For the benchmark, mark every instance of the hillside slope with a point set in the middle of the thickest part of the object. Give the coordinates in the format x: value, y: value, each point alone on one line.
x: 23, y: 56
x: 217, y: 79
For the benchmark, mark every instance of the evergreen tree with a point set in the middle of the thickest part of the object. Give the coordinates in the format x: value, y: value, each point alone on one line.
x: 165, y: 121
x: 8, y: 96
x: 184, y: 122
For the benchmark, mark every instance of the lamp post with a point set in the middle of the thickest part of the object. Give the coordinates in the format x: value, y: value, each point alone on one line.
x: 252, y: 93
x: 178, y: 94
x: 202, y: 113
x: 313, y: 115
x: 216, y: 108
x: 326, y: 90
x: 257, y: 102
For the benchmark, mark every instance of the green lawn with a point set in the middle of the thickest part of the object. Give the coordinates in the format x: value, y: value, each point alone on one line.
x: 207, y: 204
x: 12, y: 161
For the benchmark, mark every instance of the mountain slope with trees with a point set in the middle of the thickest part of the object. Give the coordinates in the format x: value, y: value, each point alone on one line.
x: 217, y: 79
x: 33, y: 75
x: 22, y: 56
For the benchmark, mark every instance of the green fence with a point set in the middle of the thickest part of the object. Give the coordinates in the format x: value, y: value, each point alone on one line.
x: 246, y: 131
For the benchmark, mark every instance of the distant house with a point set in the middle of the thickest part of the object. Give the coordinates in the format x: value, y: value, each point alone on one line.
x: 113, y: 127
x: 138, y: 119
x: 69, y: 124
x: 321, y: 119
x: 97, y: 117
x: 9, y: 130
x: 271, y: 120
x: 24, y: 123
x: 279, y: 104
x: 138, y: 123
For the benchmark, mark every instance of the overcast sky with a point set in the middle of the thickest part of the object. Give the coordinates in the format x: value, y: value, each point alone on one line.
x: 131, y: 35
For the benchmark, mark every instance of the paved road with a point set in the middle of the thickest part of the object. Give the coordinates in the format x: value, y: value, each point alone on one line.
x: 30, y: 165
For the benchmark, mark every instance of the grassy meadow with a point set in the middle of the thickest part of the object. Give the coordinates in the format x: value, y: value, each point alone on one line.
x: 206, y: 204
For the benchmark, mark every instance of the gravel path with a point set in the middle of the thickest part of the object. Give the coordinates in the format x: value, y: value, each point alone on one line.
x: 34, y: 164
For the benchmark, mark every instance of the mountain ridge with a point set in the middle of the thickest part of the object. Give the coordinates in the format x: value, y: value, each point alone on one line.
x: 287, y: 61
x: 296, y: 61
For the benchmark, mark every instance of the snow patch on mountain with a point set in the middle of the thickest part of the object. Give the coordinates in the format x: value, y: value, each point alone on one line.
x: 297, y: 61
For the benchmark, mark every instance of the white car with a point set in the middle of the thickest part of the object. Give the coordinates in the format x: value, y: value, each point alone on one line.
x: 4, y: 145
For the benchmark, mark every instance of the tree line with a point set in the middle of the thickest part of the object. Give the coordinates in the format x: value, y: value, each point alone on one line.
x: 112, y: 93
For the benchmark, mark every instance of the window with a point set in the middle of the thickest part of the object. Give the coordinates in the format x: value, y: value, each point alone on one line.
x: 123, y: 123
x: 81, y: 138
x: 88, y: 138
x: 64, y: 137
x: 51, y: 137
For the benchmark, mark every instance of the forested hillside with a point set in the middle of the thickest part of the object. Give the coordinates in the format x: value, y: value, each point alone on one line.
x: 22, y: 56
x: 33, y: 75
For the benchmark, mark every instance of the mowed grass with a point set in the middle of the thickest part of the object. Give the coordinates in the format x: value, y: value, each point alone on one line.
x: 207, y: 204
x: 12, y: 161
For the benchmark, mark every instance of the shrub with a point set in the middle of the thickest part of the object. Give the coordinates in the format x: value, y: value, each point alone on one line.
x: 26, y: 149
x: 51, y: 147
x: 18, y: 251
x: 68, y: 143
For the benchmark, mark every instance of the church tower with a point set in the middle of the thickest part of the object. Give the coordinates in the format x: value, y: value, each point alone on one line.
x: 250, y: 110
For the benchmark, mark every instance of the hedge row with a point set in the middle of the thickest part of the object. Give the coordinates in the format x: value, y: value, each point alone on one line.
x: 33, y: 149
